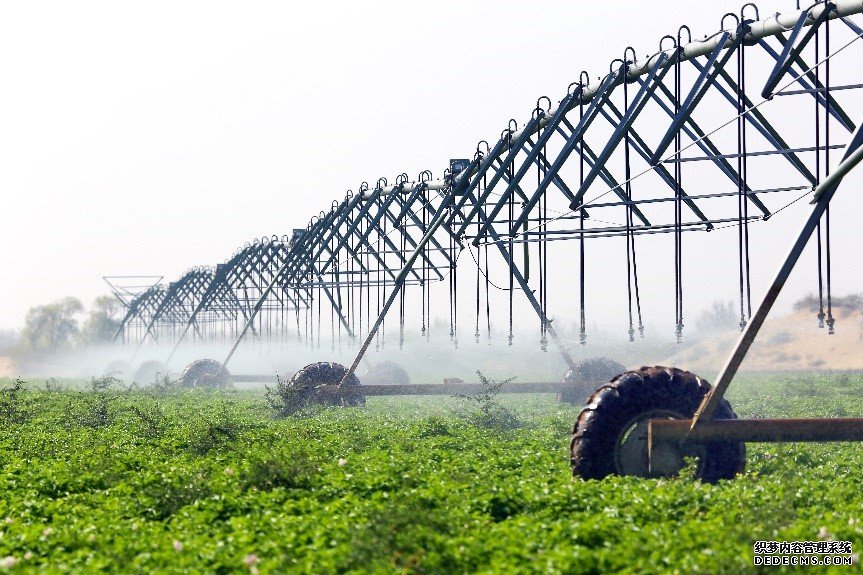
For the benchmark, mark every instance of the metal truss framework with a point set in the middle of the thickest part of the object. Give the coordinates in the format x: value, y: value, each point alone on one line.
x: 625, y: 156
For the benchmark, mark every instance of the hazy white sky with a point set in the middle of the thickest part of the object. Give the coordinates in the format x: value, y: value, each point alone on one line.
x: 145, y: 138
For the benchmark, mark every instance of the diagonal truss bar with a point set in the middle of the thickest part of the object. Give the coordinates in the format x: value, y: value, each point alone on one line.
x: 516, y: 144
x: 621, y: 130
x: 643, y: 150
x: 818, y: 91
x: 703, y: 141
x: 784, y: 61
x: 590, y: 114
x: 758, y: 121
x: 706, y: 78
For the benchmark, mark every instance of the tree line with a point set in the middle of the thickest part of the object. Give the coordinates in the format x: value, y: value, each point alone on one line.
x: 54, y: 326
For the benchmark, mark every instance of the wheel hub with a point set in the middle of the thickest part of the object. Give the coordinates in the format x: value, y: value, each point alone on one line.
x: 630, y: 451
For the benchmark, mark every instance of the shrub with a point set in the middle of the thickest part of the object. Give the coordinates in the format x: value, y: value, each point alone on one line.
x: 103, y: 383
x: 163, y: 384
x: 214, y: 432
x: 151, y: 419
x: 267, y: 469
x: 170, y: 494
x: 12, y: 408
x: 433, y: 426
x: 286, y: 399
x: 93, y: 411
x: 493, y: 415
x: 406, y: 535
x: 851, y: 302
x: 488, y: 413
x: 53, y: 385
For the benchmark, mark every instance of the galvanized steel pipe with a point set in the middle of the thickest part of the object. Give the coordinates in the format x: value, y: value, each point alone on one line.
x: 770, y: 26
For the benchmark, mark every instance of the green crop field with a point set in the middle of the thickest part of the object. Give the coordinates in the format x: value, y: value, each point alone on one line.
x: 160, y: 480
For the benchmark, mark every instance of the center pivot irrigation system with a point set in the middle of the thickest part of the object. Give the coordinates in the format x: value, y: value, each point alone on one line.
x: 721, y: 132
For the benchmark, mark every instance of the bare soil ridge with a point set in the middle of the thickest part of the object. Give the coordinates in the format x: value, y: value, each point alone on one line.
x: 793, y: 342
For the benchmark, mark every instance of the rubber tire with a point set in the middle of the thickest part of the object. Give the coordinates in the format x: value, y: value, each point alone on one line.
x: 612, y: 407
x: 387, y: 373
x: 149, y: 371
x: 118, y: 368
x: 314, y: 385
x: 582, y: 380
x: 205, y: 373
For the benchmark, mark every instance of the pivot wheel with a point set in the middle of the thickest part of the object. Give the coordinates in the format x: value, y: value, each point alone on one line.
x: 205, y: 373
x: 119, y: 369
x: 387, y: 373
x: 586, y: 377
x: 610, y: 434
x: 149, y: 372
x: 319, y: 383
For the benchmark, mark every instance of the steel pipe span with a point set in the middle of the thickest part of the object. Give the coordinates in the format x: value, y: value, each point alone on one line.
x: 380, y: 389
x: 770, y: 26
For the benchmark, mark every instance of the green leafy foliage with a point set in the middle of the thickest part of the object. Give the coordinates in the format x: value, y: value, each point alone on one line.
x: 486, y: 411
x: 285, y: 399
x: 210, y: 482
x: 13, y: 408
x: 215, y: 430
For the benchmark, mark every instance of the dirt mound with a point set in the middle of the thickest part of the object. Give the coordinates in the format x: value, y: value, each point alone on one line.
x: 788, y: 343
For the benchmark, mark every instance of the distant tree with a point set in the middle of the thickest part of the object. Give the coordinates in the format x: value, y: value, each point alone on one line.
x: 103, y: 321
x: 850, y: 302
x: 48, y: 327
x: 721, y: 316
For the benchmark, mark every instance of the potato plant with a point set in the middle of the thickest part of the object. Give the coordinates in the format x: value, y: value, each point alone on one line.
x: 210, y: 481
